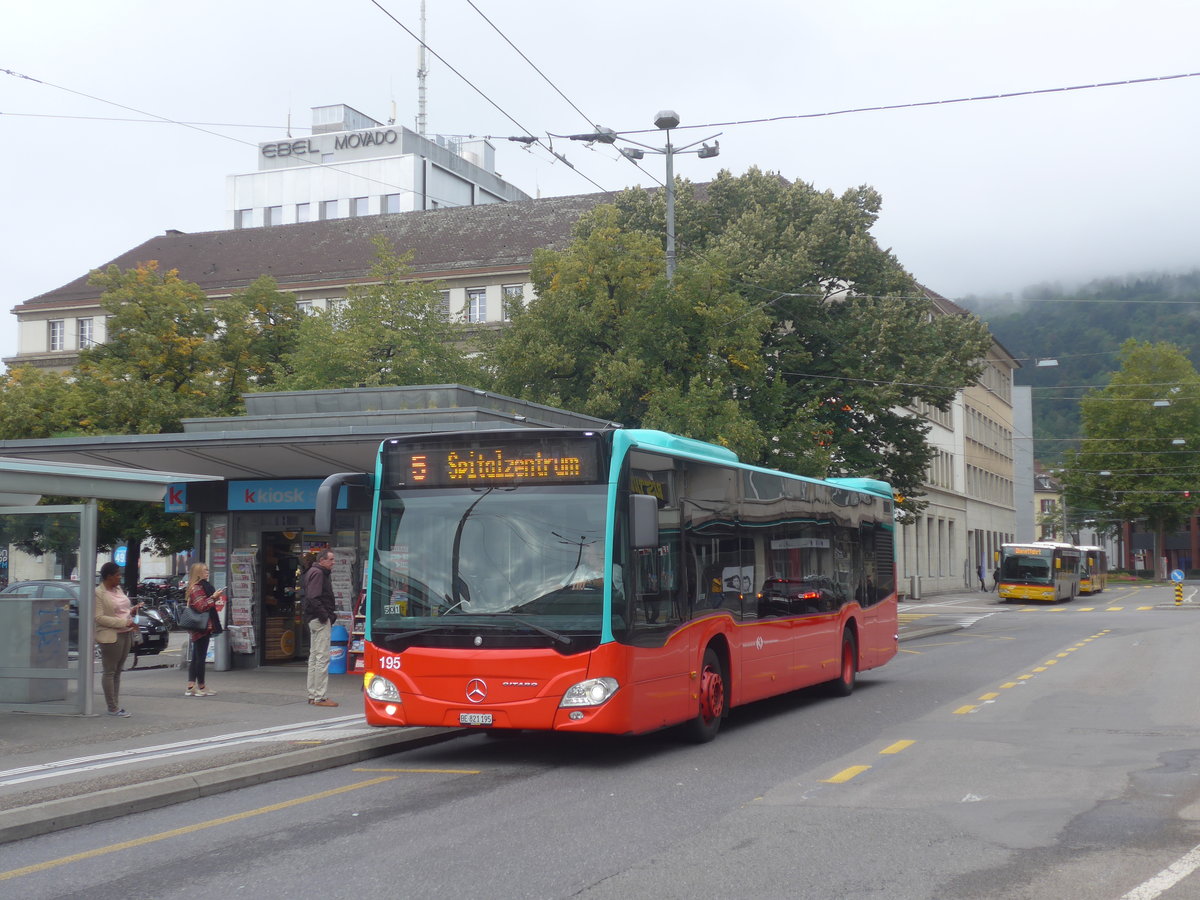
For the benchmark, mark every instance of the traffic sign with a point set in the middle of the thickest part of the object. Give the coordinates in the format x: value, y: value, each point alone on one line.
x: 1177, y: 576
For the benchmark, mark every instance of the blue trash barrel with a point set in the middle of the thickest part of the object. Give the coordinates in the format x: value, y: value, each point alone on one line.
x: 339, y: 640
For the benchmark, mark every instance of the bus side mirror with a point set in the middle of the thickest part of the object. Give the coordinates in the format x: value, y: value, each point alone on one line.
x: 327, y: 497
x: 643, y: 521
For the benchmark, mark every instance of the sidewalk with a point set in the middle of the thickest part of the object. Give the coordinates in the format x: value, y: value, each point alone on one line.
x: 292, y: 737
x: 279, y: 735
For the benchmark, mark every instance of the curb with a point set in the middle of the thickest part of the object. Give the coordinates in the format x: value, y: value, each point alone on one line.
x: 85, y: 809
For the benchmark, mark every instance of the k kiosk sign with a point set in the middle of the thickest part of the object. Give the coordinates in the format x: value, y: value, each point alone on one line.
x: 247, y: 496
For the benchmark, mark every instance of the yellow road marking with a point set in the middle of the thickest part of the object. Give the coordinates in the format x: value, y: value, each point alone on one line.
x: 1087, y: 609
x: 424, y: 771
x: 991, y: 696
x: 1039, y: 668
x: 1114, y: 609
x: 897, y: 747
x: 1050, y: 662
x: 1024, y: 677
x: 1009, y: 684
x: 963, y: 710
x: 187, y: 829
x: 846, y: 774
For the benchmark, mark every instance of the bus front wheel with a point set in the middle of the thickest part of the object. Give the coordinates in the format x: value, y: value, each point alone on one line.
x: 712, y: 699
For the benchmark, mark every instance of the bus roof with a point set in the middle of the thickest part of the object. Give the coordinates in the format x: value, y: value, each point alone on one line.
x: 649, y: 439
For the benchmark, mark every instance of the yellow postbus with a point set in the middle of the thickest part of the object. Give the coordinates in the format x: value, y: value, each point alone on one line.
x: 1042, y: 570
x: 1093, y: 569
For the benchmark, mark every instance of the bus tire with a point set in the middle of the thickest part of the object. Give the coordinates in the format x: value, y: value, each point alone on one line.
x: 843, y: 685
x: 712, y: 700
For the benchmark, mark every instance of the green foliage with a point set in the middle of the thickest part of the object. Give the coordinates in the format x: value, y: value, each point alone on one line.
x: 393, y: 331
x: 35, y: 403
x: 1130, y: 438
x: 158, y: 364
x: 260, y: 329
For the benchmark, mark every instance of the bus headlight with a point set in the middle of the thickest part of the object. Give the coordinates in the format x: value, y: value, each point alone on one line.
x: 592, y: 692
x: 379, y: 688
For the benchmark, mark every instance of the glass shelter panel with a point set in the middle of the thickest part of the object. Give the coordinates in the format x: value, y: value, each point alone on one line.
x: 48, y: 572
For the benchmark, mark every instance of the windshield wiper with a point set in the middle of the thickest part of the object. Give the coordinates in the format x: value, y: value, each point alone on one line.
x: 540, y: 629
x: 402, y: 636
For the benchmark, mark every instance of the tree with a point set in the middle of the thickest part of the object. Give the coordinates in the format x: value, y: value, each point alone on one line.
x: 159, y: 364
x: 391, y: 332
x: 260, y: 329
x: 1129, y: 467
x: 607, y: 336
x: 36, y: 403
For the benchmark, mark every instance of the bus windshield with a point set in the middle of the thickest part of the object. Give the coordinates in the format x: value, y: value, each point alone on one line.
x: 1032, y: 569
x: 509, y: 561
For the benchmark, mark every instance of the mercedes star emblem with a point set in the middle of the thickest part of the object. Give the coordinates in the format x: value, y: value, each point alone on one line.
x: 476, y: 690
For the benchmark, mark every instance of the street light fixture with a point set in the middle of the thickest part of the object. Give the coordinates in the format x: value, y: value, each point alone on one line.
x: 665, y: 119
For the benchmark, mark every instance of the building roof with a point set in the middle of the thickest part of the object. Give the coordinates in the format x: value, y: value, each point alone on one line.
x: 457, y: 240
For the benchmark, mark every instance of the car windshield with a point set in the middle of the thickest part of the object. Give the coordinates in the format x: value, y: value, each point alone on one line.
x: 496, y: 560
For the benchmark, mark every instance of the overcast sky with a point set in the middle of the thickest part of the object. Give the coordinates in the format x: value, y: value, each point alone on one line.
x: 983, y: 196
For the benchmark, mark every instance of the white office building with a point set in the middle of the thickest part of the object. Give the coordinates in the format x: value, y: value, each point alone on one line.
x: 352, y: 165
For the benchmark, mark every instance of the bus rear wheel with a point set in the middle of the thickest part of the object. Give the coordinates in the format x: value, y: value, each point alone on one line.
x: 707, y: 723
x: 843, y: 685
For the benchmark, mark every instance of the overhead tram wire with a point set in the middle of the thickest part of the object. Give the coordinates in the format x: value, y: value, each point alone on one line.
x: 479, y: 91
x: 142, y: 121
x: 926, y: 103
x: 548, y: 81
x: 169, y: 121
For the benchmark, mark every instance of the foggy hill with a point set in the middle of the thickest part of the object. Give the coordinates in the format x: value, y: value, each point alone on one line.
x: 1083, y: 329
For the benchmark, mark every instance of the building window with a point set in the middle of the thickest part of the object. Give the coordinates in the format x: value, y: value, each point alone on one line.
x: 358, y: 206
x: 329, y: 209
x: 391, y: 203
x: 273, y: 215
x: 476, y: 304
x: 304, y: 306
x: 85, y: 333
x: 303, y: 212
x: 513, y: 296
x: 445, y: 295
x: 57, y: 335
x: 243, y: 218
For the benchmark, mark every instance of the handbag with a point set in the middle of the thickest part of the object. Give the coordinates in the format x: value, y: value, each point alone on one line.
x: 191, y: 620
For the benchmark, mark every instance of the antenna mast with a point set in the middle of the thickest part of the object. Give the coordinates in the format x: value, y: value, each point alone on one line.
x: 421, y: 73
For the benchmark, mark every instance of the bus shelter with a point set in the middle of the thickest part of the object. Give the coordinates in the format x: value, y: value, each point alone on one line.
x: 46, y: 659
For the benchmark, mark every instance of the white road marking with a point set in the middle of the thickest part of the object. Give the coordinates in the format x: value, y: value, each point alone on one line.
x: 1167, y: 878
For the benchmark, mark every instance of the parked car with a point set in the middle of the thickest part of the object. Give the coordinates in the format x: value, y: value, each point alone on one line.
x: 156, y: 632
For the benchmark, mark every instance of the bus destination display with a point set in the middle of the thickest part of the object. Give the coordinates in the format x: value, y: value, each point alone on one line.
x: 572, y: 462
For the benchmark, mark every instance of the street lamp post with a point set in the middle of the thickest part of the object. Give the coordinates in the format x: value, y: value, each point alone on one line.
x: 666, y: 119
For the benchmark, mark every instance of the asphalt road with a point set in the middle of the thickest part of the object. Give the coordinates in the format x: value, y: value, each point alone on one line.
x: 1036, y: 752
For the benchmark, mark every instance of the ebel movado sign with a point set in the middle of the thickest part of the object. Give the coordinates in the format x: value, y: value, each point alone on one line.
x: 314, y: 147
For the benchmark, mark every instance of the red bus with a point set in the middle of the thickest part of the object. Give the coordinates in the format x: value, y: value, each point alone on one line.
x: 617, y: 581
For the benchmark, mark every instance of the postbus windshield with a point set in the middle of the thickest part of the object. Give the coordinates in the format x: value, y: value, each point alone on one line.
x: 1028, y: 565
x: 520, y: 562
